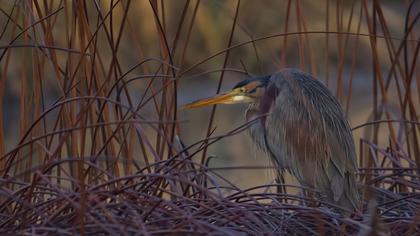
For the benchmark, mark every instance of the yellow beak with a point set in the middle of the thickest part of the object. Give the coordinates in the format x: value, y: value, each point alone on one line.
x: 231, y: 97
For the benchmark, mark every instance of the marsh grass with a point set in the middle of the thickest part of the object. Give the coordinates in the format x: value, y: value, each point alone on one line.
x: 94, y: 156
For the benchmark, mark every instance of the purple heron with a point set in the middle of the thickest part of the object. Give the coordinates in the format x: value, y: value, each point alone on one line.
x: 302, y: 128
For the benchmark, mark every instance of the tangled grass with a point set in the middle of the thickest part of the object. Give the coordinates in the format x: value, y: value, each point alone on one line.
x: 94, y: 157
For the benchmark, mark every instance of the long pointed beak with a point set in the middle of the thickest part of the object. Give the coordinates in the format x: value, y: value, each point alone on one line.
x: 231, y: 97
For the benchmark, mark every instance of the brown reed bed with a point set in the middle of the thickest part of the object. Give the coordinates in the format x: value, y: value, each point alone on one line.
x: 97, y: 146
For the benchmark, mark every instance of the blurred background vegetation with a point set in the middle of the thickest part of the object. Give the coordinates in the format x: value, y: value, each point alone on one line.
x: 34, y: 76
x: 72, y: 73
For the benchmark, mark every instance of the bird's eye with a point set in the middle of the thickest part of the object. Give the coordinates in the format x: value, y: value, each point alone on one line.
x: 241, y: 90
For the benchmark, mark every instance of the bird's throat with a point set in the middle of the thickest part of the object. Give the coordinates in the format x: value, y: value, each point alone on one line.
x: 252, y: 112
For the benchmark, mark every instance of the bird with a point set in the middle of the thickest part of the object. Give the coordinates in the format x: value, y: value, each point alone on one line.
x: 301, y: 126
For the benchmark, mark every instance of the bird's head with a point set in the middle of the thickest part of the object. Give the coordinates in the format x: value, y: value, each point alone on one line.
x: 247, y: 91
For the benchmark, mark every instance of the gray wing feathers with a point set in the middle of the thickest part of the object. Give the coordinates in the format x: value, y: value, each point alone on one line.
x: 317, y: 145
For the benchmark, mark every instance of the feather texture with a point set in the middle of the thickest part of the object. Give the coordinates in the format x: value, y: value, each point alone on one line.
x: 305, y: 132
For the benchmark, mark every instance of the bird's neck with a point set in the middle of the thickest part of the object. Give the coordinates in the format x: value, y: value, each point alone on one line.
x: 253, y: 111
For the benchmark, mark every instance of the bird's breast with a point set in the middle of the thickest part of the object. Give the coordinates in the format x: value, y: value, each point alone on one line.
x: 256, y: 130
